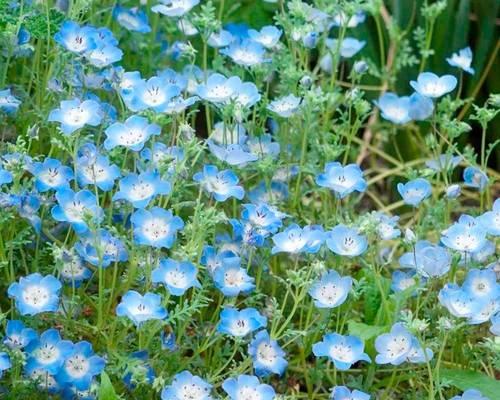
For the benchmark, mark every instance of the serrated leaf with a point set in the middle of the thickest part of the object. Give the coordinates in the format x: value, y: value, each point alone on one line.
x: 463, y: 380
x: 363, y: 331
x: 106, y: 389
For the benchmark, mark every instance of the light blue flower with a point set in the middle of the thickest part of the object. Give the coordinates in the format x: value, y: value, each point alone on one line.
x: 459, y: 303
x: 156, y: 227
x: 139, y: 308
x: 35, y: 294
x: 75, y: 114
x: 491, y: 219
x: 475, y: 178
x: 156, y: 93
x: 445, y: 162
x: 5, y: 363
x: 247, y: 387
x: 133, y: 19
x: 240, y: 323
x: 349, y: 21
x: 343, y: 351
x: 141, y: 189
x: 174, y: 8
x: 453, y: 191
x: 285, y: 106
x: 221, y: 38
x: 218, y: 89
x: 471, y: 394
x: 349, y: 46
x: 431, y: 85
x: 77, y: 209
x: 101, y: 248
x: 386, y: 226
x: 268, y: 357
x: 264, y: 217
x: 232, y: 154
x: 80, y: 366
x: 9, y: 104
x: 495, y: 324
x: 263, y: 146
x: 268, y: 36
x: 247, y: 53
x: 273, y: 193
x: 47, y: 352
x: 295, y: 240
x: 466, y: 235
x: 222, y: 185
x: 176, y: 276
x: 17, y: 335
x: 481, y: 284
x: 132, y: 134
x: 428, y: 260
x: 342, y: 180
x: 395, y: 109
x: 402, y: 281
x: 73, y: 269
x: 420, y: 108
x: 96, y: 171
x: 415, y: 191
x: 187, y: 386
x: 330, y: 290
x: 462, y: 60
x: 231, y: 279
x: 213, y: 259
x: 104, y: 56
x: 5, y: 176
x: 247, y: 95
x: 162, y: 157
x: 343, y: 393
x: 75, y: 38
x: 346, y: 241
x: 51, y: 174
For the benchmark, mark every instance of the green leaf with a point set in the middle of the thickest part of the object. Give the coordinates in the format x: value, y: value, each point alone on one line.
x: 464, y: 379
x: 106, y: 389
x: 364, y: 331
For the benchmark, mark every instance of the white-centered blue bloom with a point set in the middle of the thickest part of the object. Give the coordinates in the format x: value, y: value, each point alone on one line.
x: 402, y: 281
x: 221, y: 38
x: 430, y: 85
x: 133, y: 19
x: 263, y: 146
x: 415, y: 191
x: 155, y: 227
x: 240, y: 323
x: 186, y: 386
x: 51, y: 174
x: 342, y: 180
x: 101, y: 248
x: 465, y: 235
x: 343, y: 351
x: 17, y: 335
x: 459, y: 302
x: 475, y: 178
x: 174, y: 8
x: 104, y: 56
x: 491, y: 219
x: 247, y: 387
x: 343, y: 393
x: 77, y: 209
x: 268, y: 36
x: 453, y: 191
x: 427, y: 259
x: 348, y: 21
x: 445, y: 162
x: 96, y: 170
x: 162, y: 157
x: 386, y: 226
x: 295, y: 240
x: 330, y: 290
x: 268, y: 357
x: 80, y: 366
x: 176, y: 276
x: 131, y: 134
x: 75, y: 38
x: 218, y: 89
x: 233, y: 154
x: 35, y: 293
x: 222, y: 185
x: 75, y: 114
x: 73, y: 269
x: 349, y: 46
x: 346, y: 241
x: 495, y: 324
x: 420, y: 107
x: 264, y: 217
x: 156, y: 93
x: 395, y: 109
x: 231, y: 279
x: 285, y: 106
x: 141, y: 189
x: 47, y: 352
x: 9, y: 104
x: 462, y: 59
x: 247, y: 53
x: 471, y: 394
x: 141, y: 308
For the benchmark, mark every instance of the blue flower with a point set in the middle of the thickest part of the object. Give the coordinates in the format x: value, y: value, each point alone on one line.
x: 344, y: 351
x: 263, y: 146
x: 453, y: 191
x: 5, y: 363
x: 132, y: 134
x: 141, y: 189
x: 9, y: 104
x: 132, y: 19
x: 139, y: 369
x: 96, y: 171
x: 481, y: 284
x: 75, y: 114
x: 268, y: 36
x: 212, y: 259
x: 466, y: 235
x: 247, y: 387
x: 295, y: 239
x: 415, y: 191
x: 76, y: 209
x: 330, y: 290
x: 285, y: 106
x: 342, y: 180
x: 51, y: 174
x: 176, y: 276
x: 349, y: 46
x: 218, y: 89
x: 470, y: 394
x: 395, y: 109
x: 139, y: 308
x: 272, y: 193
x: 247, y: 53
x: 187, y: 386
x: 155, y: 93
x: 75, y: 38
x: 221, y: 38
x: 346, y: 241
x: 231, y: 279
x: 104, y: 56
x: 491, y: 219
x: 44, y: 381
x: 343, y: 393
x: 459, y: 303
x: 495, y: 324
x: 47, y: 353
x: 35, y: 294
x: 475, y: 178
x: 402, y: 281
x: 349, y: 21
x: 263, y: 217
x: 5, y: 176
x: 462, y: 60
x: 233, y: 154
x: 17, y: 335
x: 444, y: 162
x: 161, y: 156
x: 399, y: 346
x: 70, y: 392
x: 80, y: 366
x: 387, y: 227
x: 431, y: 85
x: 427, y: 259
x: 174, y: 8
x: 268, y: 357
x: 222, y: 185
x: 420, y: 107
x: 73, y: 268
x: 156, y: 227
x: 240, y: 322
x: 101, y: 248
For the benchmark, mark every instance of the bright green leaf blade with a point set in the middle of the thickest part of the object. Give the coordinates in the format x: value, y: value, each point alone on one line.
x: 364, y: 331
x: 464, y: 380
x: 106, y: 389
